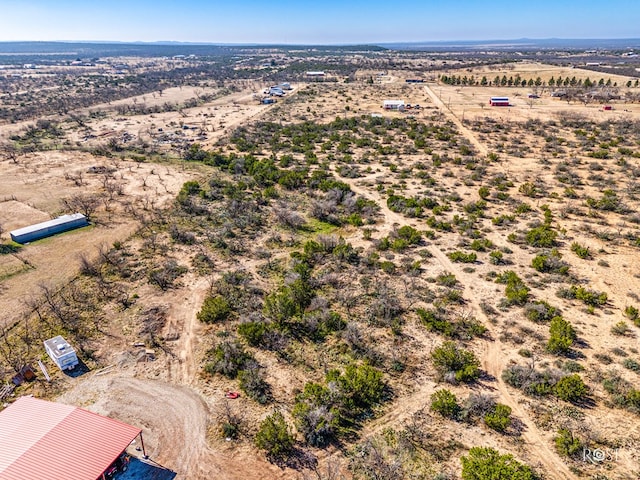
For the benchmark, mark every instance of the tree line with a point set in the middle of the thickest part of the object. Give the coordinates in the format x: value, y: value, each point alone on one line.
x: 518, y: 81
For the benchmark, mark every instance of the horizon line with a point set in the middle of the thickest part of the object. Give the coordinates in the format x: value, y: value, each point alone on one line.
x: 337, y: 44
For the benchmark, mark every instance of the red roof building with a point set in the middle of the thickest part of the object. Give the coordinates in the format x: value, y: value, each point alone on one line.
x: 499, y: 102
x: 41, y: 440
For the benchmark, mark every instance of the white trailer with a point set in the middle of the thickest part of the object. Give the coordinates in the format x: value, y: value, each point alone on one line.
x: 393, y: 105
x: 62, y: 354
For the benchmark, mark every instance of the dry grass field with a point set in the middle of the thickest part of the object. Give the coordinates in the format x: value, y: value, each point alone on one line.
x: 341, y: 265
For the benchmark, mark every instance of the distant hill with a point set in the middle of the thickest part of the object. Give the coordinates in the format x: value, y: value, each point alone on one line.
x: 519, y: 44
x: 45, y: 51
x: 157, y: 49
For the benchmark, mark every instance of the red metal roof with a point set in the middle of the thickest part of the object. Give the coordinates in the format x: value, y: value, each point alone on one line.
x: 40, y: 440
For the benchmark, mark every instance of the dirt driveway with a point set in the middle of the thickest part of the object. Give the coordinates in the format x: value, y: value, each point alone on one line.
x: 174, y: 421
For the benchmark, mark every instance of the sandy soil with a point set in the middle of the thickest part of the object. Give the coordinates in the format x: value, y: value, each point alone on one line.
x: 38, y: 183
x: 170, y: 399
x: 164, y: 398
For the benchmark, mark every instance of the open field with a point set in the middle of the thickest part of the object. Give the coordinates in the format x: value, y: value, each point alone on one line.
x: 319, y: 260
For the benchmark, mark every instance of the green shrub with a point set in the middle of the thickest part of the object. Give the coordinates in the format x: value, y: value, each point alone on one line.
x: 542, y: 236
x: 540, y: 311
x: 188, y: 189
x: 580, y: 251
x: 484, y: 463
x: 463, y: 328
x: 523, y: 208
x: 609, y: 202
x: 632, y: 313
x: 459, y: 256
x: 288, y: 301
x: 274, y: 436
x: 445, y: 403
x: 496, y: 257
x: 502, y: 219
x: 361, y: 387
x: 566, y: 444
x: 588, y: 297
x: 631, y: 364
x: 228, y: 358
x: 621, y: 328
x: 315, y: 414
x: 252, y: 383
x: 516, y: 291
x: 499, y: 419
x: 410, y: 234
x: 446, y: 279
x: 456, y: 363
x: 388, y: 267
x: 570, y: 388
x: 562, y: 336
x: 550, y: 263
x: 252, y: 332
x: 528, y: 189
x: 214, y: 309
x: 481, y: 244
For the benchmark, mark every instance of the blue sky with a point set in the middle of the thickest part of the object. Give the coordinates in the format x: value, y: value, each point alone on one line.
x: 319, y: 22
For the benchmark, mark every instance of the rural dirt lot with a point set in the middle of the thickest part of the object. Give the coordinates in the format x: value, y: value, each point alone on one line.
x: 157, y: 382
x: 32, y: 191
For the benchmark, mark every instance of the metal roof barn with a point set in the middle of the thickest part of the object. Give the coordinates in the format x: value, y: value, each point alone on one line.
x: 40, y: 439
x: 48, y: 228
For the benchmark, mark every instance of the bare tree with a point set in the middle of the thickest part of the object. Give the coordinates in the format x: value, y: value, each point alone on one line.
x: 9, y: 151
x: 85, y: 203
x: 230, y: 420
x: 332, y: 471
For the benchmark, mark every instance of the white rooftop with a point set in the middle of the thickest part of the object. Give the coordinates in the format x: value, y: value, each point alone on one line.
x: 48, y: 224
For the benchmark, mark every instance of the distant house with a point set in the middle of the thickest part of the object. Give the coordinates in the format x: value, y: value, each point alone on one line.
x: 276, y: 91
x: 393, y: 104
x: 62, y: 354
x: 316, y: 75
x: 499, y: 101
x: 414, y: 80
x: 51, y: 227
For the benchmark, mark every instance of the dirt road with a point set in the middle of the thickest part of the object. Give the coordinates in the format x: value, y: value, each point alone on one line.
x: 468, y: 134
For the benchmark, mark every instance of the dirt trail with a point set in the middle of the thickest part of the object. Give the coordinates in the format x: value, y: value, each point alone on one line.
x: 494, y: 362
x: 468, y: 134
x: 183, y: 368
